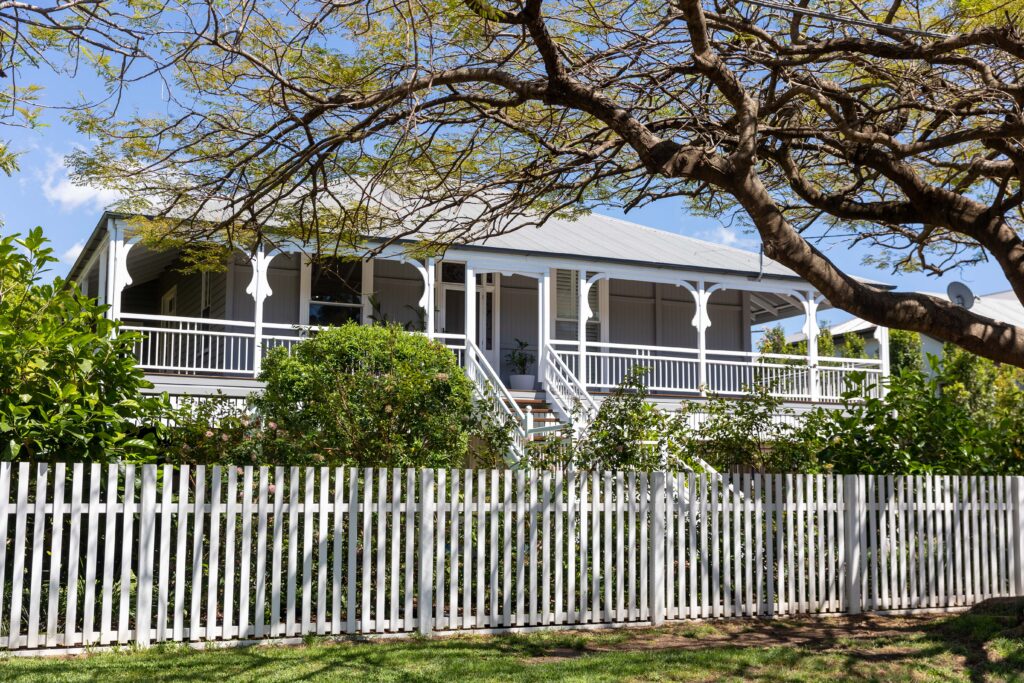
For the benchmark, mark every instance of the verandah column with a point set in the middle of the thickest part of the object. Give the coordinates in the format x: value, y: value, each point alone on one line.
x: 882, y: 336
x: 811, y: 333
x: 428, y: 301
x: 702, y: 322
x: 258, y: 289
x: 470, y: 304
x: 582, y: 314
x: 543, y: 313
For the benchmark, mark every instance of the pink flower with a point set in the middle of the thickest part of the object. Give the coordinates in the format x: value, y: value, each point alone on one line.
x: 272, y: 425
x: 224, y: 437
x: 271, y: 489
x: 208, y: 434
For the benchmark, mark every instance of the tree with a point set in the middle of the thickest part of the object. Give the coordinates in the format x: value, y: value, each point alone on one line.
x: 69, y: 386
x: 117, y: 41
x: 896, y: 122
x: 904, y: 351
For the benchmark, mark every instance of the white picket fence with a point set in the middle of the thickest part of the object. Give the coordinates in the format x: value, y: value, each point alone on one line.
x: 99, y: 555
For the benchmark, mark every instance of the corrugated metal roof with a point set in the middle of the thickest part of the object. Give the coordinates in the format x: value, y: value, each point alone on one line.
x: 596, y: 236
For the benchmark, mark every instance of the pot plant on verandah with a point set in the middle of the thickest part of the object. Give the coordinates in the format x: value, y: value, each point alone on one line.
x: 519, y: 360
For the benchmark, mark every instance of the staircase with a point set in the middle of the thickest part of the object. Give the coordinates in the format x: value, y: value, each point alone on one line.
x: 538, y: 411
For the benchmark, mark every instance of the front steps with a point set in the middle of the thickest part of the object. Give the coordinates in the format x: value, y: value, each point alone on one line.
x: 536, y: 403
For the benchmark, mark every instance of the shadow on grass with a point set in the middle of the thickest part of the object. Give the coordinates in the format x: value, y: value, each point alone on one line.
x: 986, y: 643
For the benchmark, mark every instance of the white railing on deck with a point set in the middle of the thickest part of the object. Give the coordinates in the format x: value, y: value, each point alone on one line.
x: 192, y: 345
x: 726, y: 373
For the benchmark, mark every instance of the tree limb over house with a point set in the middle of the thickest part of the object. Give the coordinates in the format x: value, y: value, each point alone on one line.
x: 477, y: 114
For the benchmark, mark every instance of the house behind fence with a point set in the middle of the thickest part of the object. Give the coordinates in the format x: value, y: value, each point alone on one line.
x: 117, y: 554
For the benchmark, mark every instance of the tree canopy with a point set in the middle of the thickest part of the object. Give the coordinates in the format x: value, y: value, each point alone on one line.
x: 896, y: 122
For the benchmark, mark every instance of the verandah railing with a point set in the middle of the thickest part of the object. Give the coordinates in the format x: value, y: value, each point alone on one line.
x: 727, y: 373
x: 94, y: 555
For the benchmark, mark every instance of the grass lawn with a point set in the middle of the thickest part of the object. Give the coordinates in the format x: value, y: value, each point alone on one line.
x: 980, y: 646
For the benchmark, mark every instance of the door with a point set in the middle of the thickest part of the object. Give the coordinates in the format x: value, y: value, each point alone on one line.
x: 453, y: 314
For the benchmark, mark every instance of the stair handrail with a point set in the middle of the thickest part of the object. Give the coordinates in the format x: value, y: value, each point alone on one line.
x: 556, y: 372
x: 486, y: 380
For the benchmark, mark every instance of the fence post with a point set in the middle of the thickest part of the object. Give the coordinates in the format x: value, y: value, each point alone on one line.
x: 1018, y: 544
x: 147, y: 536
x: 657, y: 555
x: 426, y: 548
x: 853, y: 505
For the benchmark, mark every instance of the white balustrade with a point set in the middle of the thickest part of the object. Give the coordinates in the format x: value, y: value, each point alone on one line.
x: 672, y: 370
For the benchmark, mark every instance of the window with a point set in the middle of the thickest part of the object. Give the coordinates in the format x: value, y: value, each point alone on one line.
x: 205, y: 306
x: 567, y: 292
x: 335, y: 292
x: 453, y: 273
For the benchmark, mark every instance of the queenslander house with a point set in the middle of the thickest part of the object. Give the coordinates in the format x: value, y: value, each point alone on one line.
x: 591, y: 299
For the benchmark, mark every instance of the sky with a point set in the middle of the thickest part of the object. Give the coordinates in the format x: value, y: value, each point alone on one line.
x: 42, y: 194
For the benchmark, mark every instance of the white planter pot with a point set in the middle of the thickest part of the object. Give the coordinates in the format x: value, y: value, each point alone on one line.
x: 522, y: 382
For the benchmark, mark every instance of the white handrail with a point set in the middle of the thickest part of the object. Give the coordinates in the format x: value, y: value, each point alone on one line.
x: 486, y: 380
x: 564, y: 387
x: 185, y: 319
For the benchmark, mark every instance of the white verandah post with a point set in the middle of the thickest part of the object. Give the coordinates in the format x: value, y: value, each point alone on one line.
x: 259, y: 289
x: 428, y: 301
x: 882, y: 336
x: 811, y: 334
x: 582, y: 314
x: 470, y: 305
x: 543, y: 299
x: 702, y: 322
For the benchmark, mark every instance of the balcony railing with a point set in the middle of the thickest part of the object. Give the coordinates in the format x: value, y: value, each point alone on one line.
x: 672, y: 370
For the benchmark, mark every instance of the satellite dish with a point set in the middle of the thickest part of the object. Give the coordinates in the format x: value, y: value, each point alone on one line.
x: 960, y: 294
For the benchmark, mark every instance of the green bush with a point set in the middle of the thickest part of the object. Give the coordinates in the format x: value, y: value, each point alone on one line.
x: 964, y: 417
x: 69, y: 385
x: 370, y: 395
x: 750, y: 432
x: 628, y: 433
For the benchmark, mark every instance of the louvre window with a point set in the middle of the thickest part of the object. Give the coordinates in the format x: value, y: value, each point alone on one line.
x: 567, y: 292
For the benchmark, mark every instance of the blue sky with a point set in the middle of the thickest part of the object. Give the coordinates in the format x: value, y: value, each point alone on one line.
x: 41, y: 194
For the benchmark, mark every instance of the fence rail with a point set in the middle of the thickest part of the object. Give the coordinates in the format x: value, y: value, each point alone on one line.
x: 95, y: 555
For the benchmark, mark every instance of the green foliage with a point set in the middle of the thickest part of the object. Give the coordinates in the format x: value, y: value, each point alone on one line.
x: 519, y: 358
x: 360, y: 395
x: 904, y: 351
x: 774, y: 341
x: 216, y: 430
x: 853, y: 346
x: 69, y: 386
x: 750, y: 432
x: 628, y: 433
x: 964, y: 417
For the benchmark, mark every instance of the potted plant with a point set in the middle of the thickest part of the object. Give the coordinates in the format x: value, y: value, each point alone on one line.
x: 519, y: 359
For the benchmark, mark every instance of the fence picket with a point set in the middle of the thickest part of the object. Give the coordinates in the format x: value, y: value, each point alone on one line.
x: 482, y: 548
x: 127, y: 548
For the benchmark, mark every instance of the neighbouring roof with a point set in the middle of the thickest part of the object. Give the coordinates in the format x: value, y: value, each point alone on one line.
x: 1001, y: 306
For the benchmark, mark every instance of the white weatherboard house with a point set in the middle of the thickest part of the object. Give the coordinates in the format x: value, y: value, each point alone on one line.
x: 592, y: 298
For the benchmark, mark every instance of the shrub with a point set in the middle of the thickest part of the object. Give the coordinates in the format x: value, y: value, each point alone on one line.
x: 370, y: 396
x: 628, y: 433
x: 750, y: 432
x: 69, y: 385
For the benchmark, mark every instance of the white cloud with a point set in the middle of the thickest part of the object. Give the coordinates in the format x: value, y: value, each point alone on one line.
x: 72, y: 252
x: 58, y: 189
x: 729, y: 238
